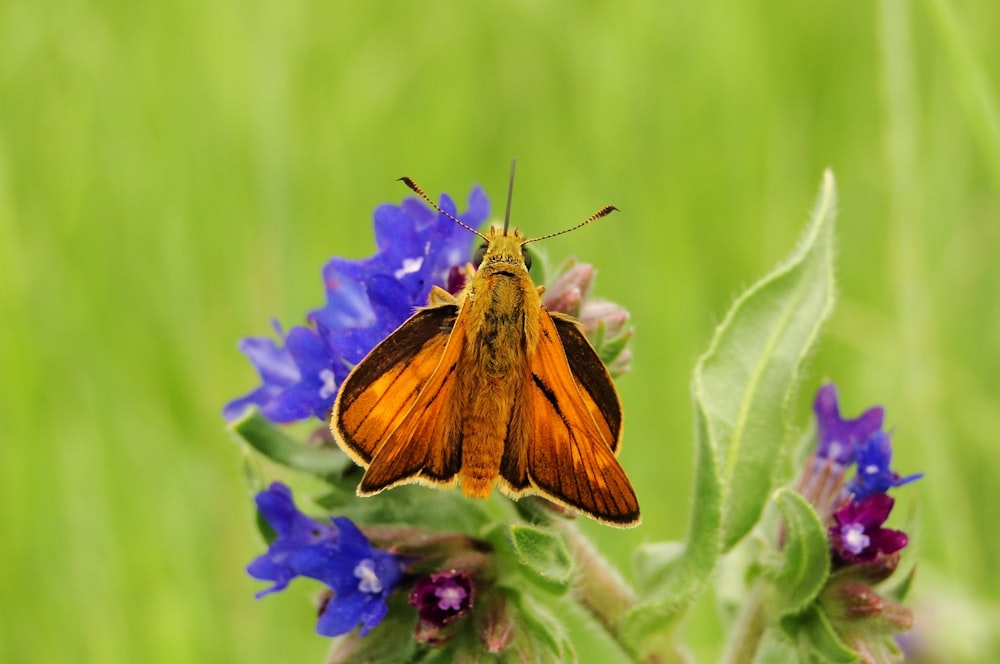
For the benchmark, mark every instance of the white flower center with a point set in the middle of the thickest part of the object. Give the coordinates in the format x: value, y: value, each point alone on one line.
x: 871, y: 469
x: 329, y: 384
x: 835, y: 450
x: 855, y: 539
x: 451, y: 598
x: 410, y: 265
x: 370, y: 583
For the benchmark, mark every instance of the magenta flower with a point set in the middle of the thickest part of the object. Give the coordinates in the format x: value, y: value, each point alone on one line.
x: 442, y: 598
x: 858, y: 535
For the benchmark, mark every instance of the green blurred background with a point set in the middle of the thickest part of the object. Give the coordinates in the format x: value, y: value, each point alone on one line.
x: 174, y: 174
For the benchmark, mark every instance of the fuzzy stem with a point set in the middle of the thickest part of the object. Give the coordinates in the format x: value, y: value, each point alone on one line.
x: 597, y: 586
x: 749, y: 630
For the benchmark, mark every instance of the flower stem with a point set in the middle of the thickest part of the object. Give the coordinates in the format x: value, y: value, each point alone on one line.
x: 748, y: 630
x: 597, y: 586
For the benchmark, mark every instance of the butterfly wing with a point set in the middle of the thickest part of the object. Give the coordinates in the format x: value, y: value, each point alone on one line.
x: 376, y: 396
x: 572, y: 423
x: 425, y: 445
x: 592, y: 377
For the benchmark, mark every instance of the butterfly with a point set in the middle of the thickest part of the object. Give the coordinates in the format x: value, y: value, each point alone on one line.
x: 489, y: 388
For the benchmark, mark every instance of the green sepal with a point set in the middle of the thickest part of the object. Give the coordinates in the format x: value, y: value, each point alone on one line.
x: 540, y: 636
x: 539, y: 265
x: 806, y: 562
x: 541, y: 553
x: 816, y: 638
x: 610, y: 349
x: 267, y: 533
x: 414, y: 505
x: 266, y: 438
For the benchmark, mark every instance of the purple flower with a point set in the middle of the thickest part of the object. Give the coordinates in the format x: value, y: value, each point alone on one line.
x: 366, y: 300
x: 874, y: 475
x: 839, y: 438
x: 338, y: 554
x: 858, y: 535
x: 442, y: 598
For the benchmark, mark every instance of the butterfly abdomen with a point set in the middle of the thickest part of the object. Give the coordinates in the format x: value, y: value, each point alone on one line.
x: 496, y: 349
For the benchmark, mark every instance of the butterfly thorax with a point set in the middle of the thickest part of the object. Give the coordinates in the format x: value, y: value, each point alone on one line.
x: 504, y: 307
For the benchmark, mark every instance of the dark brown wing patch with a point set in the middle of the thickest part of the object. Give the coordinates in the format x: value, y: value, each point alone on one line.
x: 595, y: 382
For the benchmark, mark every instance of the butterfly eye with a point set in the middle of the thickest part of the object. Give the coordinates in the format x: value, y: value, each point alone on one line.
x: 477, y: 259
x: 527, y: 259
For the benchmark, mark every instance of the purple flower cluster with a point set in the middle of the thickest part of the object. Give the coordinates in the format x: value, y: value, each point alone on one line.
x: 857, y: 534
x: 338, y: 554
x: 366, y: 300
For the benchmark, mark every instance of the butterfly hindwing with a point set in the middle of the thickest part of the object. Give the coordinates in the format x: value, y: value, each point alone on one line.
x: 596, y: 386
x: 575, y: 423
x: 378, y: 393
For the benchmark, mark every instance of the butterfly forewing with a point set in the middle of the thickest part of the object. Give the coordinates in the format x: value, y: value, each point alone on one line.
x: 376, y: 396
x: 426, y: 442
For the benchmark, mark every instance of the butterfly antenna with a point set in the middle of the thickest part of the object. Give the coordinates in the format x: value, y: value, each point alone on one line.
x: 427, y: 199
x: 510, y: 195
x: 603, y: 212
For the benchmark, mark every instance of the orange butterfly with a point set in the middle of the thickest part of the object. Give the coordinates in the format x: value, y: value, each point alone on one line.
x: 489, y: 388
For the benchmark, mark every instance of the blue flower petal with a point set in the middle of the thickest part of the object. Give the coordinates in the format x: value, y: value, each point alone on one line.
x: 347, y: 304
x: 274, y: 364
x: 295, y: 531
x: 277, y: 507
x: 260, y: 397
x: 839, y: 438
x: 342, y: 615
x: 329, y: 565
x: 276, y: 368
x: 338, y: 554
x: 874, y: 476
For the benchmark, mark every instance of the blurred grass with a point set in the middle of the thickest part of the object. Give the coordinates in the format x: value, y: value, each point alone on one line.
x: 172, y: 175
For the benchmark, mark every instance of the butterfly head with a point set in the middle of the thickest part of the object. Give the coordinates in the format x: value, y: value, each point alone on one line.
x: 502, y: 248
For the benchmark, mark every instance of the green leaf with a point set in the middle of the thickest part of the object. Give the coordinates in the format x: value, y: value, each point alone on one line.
x: 542, y: 553
x: 741, y: 389
x: 415, y: 505
x: 262, y: 435
x: 742, y: 385
x: 806, y: 564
